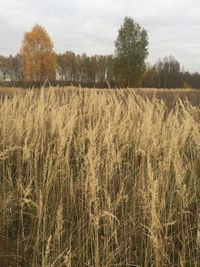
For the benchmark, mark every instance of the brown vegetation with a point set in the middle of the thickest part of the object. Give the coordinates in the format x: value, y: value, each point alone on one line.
x: 98, y: 178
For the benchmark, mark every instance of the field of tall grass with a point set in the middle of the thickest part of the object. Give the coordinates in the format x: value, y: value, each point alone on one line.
x: 98, y: 178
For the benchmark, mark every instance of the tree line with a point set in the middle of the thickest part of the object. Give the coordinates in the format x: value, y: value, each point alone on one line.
x: 167, y: 73
x: 37, y: 62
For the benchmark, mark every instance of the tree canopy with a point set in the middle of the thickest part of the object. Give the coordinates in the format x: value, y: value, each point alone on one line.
x: 131, y: 50
x: 39, y: 60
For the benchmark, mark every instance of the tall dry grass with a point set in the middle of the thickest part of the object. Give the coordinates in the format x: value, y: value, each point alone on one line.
x: 98, y: 178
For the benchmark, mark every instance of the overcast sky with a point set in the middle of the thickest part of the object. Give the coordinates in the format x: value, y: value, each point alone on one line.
x: 91, y: 26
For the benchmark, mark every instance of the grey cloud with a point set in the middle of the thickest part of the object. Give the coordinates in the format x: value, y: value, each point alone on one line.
x: 91, y: 26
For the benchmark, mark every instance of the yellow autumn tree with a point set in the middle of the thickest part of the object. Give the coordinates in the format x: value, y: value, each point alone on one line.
x: 39, y: 59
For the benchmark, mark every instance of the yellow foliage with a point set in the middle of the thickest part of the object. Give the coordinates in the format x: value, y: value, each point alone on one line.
x: 38, y: 55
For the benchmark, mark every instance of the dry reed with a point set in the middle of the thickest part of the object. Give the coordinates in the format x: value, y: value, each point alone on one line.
x: 98, y: 178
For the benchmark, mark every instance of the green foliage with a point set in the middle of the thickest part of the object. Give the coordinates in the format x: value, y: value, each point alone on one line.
x: 186, y: 85
x: 130, y: 53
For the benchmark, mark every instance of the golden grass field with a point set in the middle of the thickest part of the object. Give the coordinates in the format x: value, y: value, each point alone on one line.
x: 99, y: 178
